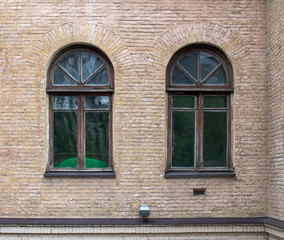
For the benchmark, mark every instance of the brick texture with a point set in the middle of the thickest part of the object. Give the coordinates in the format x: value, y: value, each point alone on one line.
x: 275, y: 19
x: 139, y: 37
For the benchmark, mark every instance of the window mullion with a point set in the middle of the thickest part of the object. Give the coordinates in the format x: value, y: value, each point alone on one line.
x: 51, y: 137
x: 169, y: 162
x: 229, y: 127
x: 81, y: 131
x: 81, y: 63
x: 110, y: 132
x: 199, y: 67
x: 199, y: 157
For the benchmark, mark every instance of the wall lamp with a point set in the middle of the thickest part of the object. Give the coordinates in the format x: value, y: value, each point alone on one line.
x: 144, y: 211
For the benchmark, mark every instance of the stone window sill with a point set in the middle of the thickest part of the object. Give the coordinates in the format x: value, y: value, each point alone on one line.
x: 184, y: 174
x: 81, y: 174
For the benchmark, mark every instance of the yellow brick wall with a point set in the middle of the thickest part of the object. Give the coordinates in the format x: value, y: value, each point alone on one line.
x: 275, y: 51
x: 139, y: 37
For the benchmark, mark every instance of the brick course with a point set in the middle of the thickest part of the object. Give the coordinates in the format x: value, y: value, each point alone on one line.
x: 275, y: 52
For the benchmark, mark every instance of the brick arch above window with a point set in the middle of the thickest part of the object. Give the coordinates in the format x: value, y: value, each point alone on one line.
x: 208, y: 33
x: 68, y: 34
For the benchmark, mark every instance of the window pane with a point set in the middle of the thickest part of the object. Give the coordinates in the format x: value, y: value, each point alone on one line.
x: 208, y: 64
x: 183, y: 102
x: 218, y: 78
x: 214, y: 139
x: 97, y: 139
x: 90, y: 64
x: 180, y: 78
x: 61, y: 78
x: 65, y: 102
x: 65, y: 128
x: 190, y: 64
x: 96, y: 102
x: 183, y: 138
x: 215, y: 101
x: 71, y: 64
x: 100, y: 78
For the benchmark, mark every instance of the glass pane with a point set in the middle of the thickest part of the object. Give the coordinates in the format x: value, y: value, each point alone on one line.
x: 97, y: 139
x: 183, y: 102
x: 208, y: 64
x: 100, y: 78
x: 96, y: 102
x: 214, y: 139
x: 183, y: 138
x: 218, y: 78
x: 65, y: 102
x: 90, y: 64
x: 61, y: 78
x: 215, y: 101
x: 179, y: 77
x: 71, y: 64
x: 190, y: 64
x: 65, y: 128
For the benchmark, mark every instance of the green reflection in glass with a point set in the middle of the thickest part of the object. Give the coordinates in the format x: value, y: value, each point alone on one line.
x: 70, y: 162
x: 97, y: 139
x: 215, y: 101
x: 65, y: 128
x: 214, y: 139
x: 94, y: 163
x: 183, y: 138
x: 183, y: 101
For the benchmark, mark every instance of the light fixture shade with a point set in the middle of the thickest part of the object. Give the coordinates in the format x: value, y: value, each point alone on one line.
x: 144, y: 210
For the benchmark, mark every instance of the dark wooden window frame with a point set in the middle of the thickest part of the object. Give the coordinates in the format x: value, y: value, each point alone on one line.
x: 199, y: 91
x: 80, y: 91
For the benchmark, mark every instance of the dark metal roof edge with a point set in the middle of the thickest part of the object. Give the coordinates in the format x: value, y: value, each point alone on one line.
x: 138, y: 221
x: 273, y: 222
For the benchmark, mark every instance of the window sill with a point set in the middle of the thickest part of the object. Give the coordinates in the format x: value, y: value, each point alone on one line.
x: 198, y: 174
x: 87, y: 90
x: 81, y: 174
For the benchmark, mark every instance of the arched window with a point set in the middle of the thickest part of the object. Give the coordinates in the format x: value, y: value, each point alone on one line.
x: 199, y: 85
x: 80, y: 86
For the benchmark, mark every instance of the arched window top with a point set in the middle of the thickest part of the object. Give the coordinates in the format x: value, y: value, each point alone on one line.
x: 199, y: 67
x: 80, y: 68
